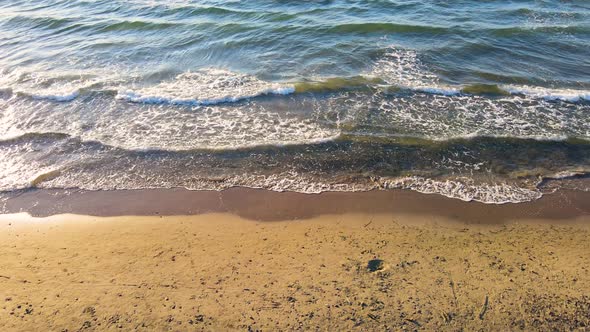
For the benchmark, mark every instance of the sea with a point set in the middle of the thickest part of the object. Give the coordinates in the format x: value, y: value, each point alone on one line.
x: 477, y: 100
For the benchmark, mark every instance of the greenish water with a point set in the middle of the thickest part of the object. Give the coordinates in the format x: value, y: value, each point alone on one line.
x: 477, y: 100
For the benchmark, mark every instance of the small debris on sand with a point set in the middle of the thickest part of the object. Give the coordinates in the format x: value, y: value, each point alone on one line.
x: 375, y: 265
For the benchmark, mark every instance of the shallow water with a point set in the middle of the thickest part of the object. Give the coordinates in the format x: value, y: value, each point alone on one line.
x: 486, y: 101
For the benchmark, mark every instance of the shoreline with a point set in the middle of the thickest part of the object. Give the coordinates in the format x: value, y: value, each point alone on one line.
x: 252, y: 260
x: 265, y: 205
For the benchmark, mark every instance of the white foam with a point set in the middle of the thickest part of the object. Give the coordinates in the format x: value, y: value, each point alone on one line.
x: 568, y: 174
x: 461, y: 188
x: 17, y: 170
x: 569, y: 95
x: 223, y: 127
x: 60, y: 87
x: 205, y: 87
x: 448, y: 91
x: 465, y: 189
x: 141, y: 126
x: 443, y: 117
x: 403, y: 68
x: 59, y: 95
x: 63, y: 97
x: 287, y: 181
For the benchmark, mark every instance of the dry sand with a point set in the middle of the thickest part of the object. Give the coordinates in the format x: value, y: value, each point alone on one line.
x: 219, y: 271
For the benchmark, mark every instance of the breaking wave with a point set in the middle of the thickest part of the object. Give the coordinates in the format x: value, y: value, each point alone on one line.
x: 205, y: 87
x: 395, y: 125
x: 396, y: 71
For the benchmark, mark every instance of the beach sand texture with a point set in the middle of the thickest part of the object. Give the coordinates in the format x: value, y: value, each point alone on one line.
x: 219, y: 271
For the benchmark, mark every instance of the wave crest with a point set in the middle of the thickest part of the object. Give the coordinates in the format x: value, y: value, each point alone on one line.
x: 205, y: 87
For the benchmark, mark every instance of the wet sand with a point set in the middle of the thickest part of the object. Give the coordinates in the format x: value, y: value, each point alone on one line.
x: 435, y: 268
x: 263, y: 205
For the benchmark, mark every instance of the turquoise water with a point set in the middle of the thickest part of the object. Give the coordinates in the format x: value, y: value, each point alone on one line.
x: 476, y: 100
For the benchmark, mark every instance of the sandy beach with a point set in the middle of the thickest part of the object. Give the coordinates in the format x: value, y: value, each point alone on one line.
x: 340, y: 271
x: 185, y: 165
